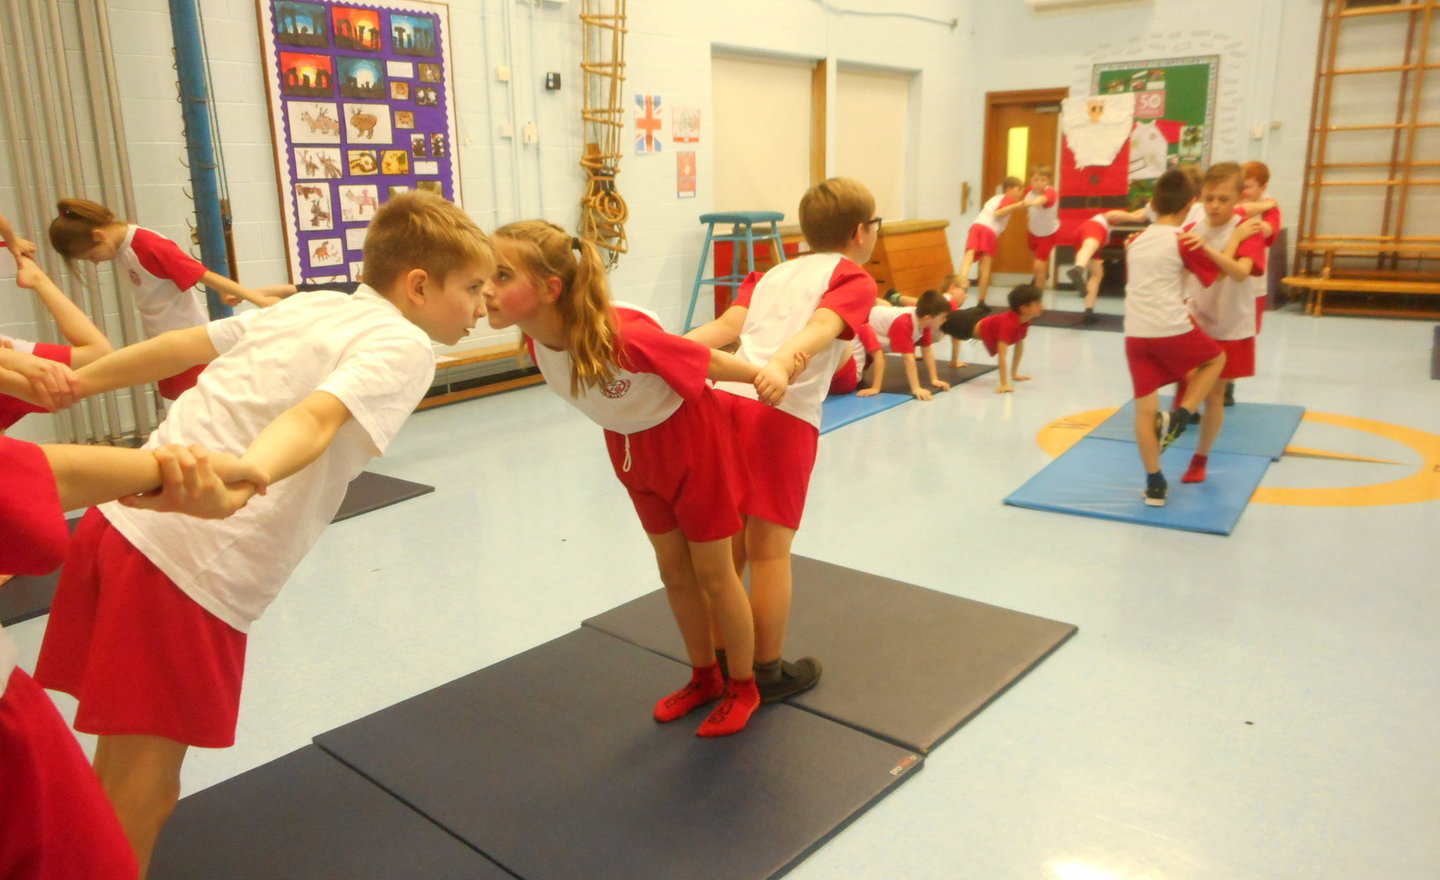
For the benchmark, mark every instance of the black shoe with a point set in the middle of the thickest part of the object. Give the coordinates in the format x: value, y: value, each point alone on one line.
x: 1090, y: 317
x: 1162, y: 425
x: 1175, y: 424
x: 1155, y: 488
x: 1229, y: 393
x: 794, y: 678
x: 1078, y: 277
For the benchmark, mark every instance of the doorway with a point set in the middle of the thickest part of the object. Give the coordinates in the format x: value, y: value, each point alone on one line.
x: 1022, y: 130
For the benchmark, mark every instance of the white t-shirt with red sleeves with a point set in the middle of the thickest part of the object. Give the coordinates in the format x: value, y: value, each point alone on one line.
x: 360, y: 349
x: 898, y: 328
x: 1226, y: 309
x: 1156, y: 265
x: 1257, y: 285
x: 1043, y: 219
x: 781, y: 303
x: 164, y: 277
x: 656, y: 373
x: 862, y: 347
x: 986, y: 217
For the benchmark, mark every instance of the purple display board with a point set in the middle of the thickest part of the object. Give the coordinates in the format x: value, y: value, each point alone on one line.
x: 361, y: 108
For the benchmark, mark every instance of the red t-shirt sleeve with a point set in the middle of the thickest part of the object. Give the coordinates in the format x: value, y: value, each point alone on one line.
x: 59, y: 353
x: 645, y: 347
x: 30, y: 515
x: 747, y: 289
x: 1009, y: 330
x: 1199, y: 264
x: 1254, y: 248
x: 1005, y: 202
x: 868, y: 339
x: 926, y: 338
x: 1272, y: 217
x: 851, y: 294
x: 1051, y: 197
x: 163, y: 258
x: 902, y: 335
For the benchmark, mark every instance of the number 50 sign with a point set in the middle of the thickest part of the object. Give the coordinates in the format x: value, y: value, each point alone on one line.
x: 1149, y: 105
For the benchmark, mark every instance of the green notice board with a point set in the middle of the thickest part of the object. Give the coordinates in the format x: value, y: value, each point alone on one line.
x: 1174, y: 97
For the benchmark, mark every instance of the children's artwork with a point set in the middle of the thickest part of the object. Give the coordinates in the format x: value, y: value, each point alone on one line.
x: 368, y: 122
x: 686, y: 124
x: 314, y: 201
x: 302, y: 24
x: 1192, y: 142
x: 355, y: 270
x: 685, y: 174
x: 356, y: 27
x: 1171, y: 95
x: 648, y: 123
x: 362, y: 104
x: 358, y: 202
x: 313, y: 122
x: 393, y: 162
x: 326, y: 252
x: 317, y: 164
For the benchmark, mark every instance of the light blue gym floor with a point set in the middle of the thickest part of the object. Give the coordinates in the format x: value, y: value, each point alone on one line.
x: 1265, y: 705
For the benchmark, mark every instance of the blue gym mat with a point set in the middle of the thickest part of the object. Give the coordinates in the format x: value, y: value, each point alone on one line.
x: 1104, y: 478
x: 841, y: 410
x: 1250, y: 428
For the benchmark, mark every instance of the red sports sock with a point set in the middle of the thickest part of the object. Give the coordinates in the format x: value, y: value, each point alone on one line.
x: 1195, y: 473
x: 705, y: 685
x: 742, y: 698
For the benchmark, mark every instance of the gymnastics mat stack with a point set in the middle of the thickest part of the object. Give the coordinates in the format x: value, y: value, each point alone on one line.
x: 1101, y: 476
x: 549, y: 766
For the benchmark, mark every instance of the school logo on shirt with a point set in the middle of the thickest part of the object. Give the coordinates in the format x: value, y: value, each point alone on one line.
x: 616, y: 388
x: 134, y: 277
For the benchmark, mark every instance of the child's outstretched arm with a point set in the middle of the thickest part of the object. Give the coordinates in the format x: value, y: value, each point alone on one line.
x: 726, y: 367
x: 232, y: 292
x: 935, y: 380
x: 1004, y: 386
x: 87, y: 343
x: 18, y: 246
x: 297, y: 436
x: 37, y: 380
x: 823, y: 327
x: 1022, y: 205
x: 149, y: 361
x: 178, y: 479
x: 912, y: 376
x: 1015, y: 362
x: 1125, y: 216
x: 877, y: 375
x: 723, y: 331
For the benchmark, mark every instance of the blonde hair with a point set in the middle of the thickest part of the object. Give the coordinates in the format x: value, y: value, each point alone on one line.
x: 72, y: 233
x: 422, y: 230
x: 1223, y: 172
x: 1011, y: 183
x: 544, y: 250
x: 1044, y: 171
x: 1194, y: 174
x: 831, y: 210
x: 949, y: 281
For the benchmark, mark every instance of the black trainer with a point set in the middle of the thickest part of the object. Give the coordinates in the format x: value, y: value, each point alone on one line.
x: 1078, y: 277
x: 1089, y: 318
x: 1176, y: 423
x: 1229, y: 393
x: 794, y: 678
x: 1155, y: 488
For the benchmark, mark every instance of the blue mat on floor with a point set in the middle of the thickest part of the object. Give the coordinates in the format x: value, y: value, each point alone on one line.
x: 1104, y: 478
x: 843, y: 409
x: 1250, y: 428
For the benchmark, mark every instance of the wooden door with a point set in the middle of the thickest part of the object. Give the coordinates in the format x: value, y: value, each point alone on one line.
x: 1022, y: 130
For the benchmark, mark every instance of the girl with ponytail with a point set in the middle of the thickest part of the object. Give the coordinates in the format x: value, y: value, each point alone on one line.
x: 164, y: 276
x: 668, y: 440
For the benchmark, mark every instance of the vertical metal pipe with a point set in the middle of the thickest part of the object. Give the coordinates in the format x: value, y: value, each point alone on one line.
x: 195, y: 108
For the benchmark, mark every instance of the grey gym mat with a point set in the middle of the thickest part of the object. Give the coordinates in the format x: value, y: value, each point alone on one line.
x: 1074, y: 320
x: 28, y: 596
x: 307, y: 815
x: 25, y: 596
x: 903, y: 663
x: 895, y: 382
x: 550, y: 764
x: 1435, y: 355
x: 369, y: 492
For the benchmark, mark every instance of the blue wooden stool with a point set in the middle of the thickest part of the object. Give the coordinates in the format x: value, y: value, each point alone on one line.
x: 741, y: 232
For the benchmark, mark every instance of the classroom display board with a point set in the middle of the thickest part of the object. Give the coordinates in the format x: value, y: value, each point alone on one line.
x: 1174, y: 113
x: 361, y: 108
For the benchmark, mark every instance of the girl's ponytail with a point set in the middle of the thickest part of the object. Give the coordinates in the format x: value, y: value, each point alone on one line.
x: 72, y: 234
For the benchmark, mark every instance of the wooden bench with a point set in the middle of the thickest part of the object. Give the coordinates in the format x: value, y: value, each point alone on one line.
x: 449, y: 390
x: 1385, y: 277
x: 1319, y: 286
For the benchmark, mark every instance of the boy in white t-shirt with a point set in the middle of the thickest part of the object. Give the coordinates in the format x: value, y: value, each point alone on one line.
x: 809, y: 306
x: 1162, y: 343
x: 309, y: 390
x: 1226, y: 309
x: 983, y: 238
x: 1042, y: 220
x: 903, y: 329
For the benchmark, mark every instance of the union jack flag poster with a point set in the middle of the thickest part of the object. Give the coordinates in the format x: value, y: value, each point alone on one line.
x: 648, y: 123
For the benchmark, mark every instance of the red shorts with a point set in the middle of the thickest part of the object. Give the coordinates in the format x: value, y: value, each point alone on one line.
x: 1042, y: 246
x: 981, y: 240
x: 846, y: 379
x: 1260, y: 303
x: 682, y: 472
x: 1239, y: 357
x: 140, y: 655
x: 777, y: 454
x: 55, y: 821
x: 1091, y: 230
x: 1159, y: 361
x: 179, y: 383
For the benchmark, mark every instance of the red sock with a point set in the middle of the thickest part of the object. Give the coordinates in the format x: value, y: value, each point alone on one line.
x: 705, y: 685
x: 1195, y: 473
x: 742, y: 698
